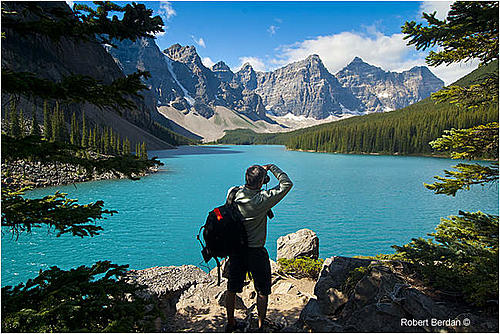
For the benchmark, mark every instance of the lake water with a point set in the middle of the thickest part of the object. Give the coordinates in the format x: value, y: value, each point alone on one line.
x: 357, y: 205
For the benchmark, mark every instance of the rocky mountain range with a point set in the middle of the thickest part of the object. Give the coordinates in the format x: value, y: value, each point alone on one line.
x: 380, y: 91
x: 304, y: 88
x: 179, y: 79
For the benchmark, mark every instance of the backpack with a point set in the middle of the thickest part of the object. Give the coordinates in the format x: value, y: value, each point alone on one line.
x: 224, y: 233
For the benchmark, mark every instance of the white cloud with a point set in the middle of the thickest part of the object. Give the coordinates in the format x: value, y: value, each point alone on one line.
x: 207, y: 62
x: 389, y: 52
x: 272, y: 29
x: 257, y: 63
x: 199, y: 41
x: 441, y: 7
x: 451, y: 73
x: 336, y: 51
x: 166, y: 10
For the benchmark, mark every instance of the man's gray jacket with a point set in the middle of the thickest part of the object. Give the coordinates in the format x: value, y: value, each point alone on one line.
x: 254, y: 204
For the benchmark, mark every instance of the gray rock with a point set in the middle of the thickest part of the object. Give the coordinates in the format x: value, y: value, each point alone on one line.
x: 312, y: 317
x: 303, y: 243
x: 283, y: 288
x: 166, y: 284
x: 239, y: 304
x: 377, y: 302
x: 333, y: 275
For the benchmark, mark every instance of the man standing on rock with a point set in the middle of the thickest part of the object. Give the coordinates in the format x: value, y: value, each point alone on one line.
x: 255, y: 206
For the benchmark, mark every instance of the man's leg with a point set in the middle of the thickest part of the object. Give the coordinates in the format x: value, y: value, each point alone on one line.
x: 230, y: 300
x: 258, y: 263
x: 261, y: 308
x: 237, y: 271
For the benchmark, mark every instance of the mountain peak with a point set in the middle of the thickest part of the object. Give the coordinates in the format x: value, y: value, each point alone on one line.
x: 313, y: 57
x: 245, y: 65
x: 184, y: 54
x: 220, y: 66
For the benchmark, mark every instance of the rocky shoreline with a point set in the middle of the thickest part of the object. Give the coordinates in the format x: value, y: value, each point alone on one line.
x: 34, y: 174
x: 350, y: 295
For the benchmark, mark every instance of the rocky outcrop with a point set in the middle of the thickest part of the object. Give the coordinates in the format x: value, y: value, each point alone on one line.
x: 358, y: 295
x: 21, y: 173
x: 303, y: 243
x: 166, y: 284
x: 381, y: 90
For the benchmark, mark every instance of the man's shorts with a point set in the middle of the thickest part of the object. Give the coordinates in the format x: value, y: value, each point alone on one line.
x: 255, y: 261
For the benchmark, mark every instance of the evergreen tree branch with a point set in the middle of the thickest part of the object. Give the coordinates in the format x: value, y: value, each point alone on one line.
x: 467, y: 175
x: 470, y: 31
x: 85, y: 299
x: 57, y: 212
x: 82, y: 23
x: 483, y: 93
x: 479, y: 142
x: 461, y: 257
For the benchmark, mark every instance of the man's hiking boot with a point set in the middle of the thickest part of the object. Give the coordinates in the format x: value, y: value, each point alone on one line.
x: 239, y: 326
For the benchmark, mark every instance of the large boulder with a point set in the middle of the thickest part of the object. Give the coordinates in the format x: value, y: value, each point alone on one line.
x: 361, y: 295
x: 166, y: 284
x: 335, y: 272
x: 303, y: 243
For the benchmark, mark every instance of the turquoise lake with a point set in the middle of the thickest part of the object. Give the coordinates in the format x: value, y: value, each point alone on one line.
x: 357, y: 205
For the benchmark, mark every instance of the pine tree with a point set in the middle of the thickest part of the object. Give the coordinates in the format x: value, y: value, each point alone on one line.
x: 106, y: 147
x: 56, y: 128
x: 22, y: 126
x: 138, y: 150
x: 84, y: 142
x: 144, y: 152
x: 15, y: 127
x: 111, y: 141
x: 47, y: 122
x: 72, y: 135
x: 35, y: 128
x: 126, y: 146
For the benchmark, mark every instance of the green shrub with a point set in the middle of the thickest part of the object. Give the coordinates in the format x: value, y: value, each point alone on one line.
x: 353, y: 278
x: 301, y: 268
x: 462, y: 256
x: 85, y: 299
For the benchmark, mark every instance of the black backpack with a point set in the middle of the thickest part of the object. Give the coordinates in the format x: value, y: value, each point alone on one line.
x: 223, y: 232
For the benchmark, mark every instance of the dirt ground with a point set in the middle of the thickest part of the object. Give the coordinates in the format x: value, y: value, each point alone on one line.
x: 206, y: 313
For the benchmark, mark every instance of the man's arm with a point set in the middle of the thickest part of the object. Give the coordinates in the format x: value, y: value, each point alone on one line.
x: 272, y: 196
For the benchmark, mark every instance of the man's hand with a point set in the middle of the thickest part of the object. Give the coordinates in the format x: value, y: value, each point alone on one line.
x: 266, y: 167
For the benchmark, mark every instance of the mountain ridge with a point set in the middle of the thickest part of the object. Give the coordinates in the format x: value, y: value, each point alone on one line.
x: 302, y: 88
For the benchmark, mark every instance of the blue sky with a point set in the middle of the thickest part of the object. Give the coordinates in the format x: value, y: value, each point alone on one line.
x: 272, y: 34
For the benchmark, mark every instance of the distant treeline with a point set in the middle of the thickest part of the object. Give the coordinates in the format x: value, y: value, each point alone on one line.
x: 405, y: 131
x: 99, y: 139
